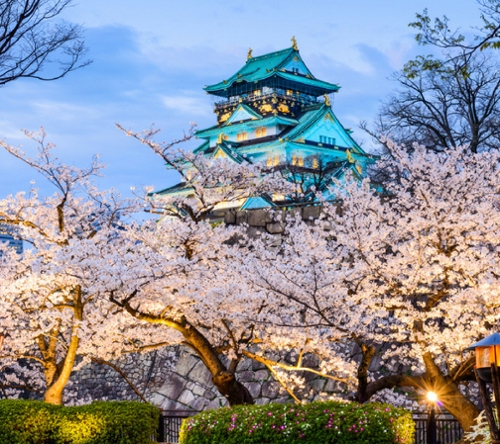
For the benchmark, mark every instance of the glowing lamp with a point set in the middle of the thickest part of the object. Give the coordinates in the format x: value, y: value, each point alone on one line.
x: 487, y: 353
x: 432, y: 397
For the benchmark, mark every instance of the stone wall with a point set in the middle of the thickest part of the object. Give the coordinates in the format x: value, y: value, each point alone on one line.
x: 270, y: 221
x: 175, y: 379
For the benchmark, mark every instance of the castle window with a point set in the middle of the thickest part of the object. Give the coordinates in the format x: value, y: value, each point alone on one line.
x: 276, y: 160
x: 241, y: 136
x: 297, y: 160
x: 315, y: 163
x: 257, y: 92
x: 289, y: 92
x: 269, y: 161
x: 327, y: 140
x: 261, y: 132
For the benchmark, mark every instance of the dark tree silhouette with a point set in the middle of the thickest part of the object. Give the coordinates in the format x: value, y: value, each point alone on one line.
x: 34, y: 44
x: 454, y: 105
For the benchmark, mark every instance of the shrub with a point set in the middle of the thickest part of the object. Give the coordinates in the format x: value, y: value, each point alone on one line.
x: 34, y: 422
x: 318, y: 422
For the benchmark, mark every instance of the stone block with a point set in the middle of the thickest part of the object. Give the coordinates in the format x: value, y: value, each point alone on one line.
x: 186, y: 397
x: 275, y: 227
x: 198, y: 390
x: 185, y: 363
x: 331, y: 386
x: 270, y: 389
x: 254, y: 389
x: 200, y: 374
x: 262, y: 401
x: 210, y: 395
x: 317, y: 384
x: 170, y: 404
x: 277, y: 241
x: 241, y: 217
x: 254, y: 232
x: 229, y: 217
x: 246, y: 364
x: 257, y: 218
x: 157, y: 399
x: 257, y: 366
x: 245, y: 376
x: 216, y: 403
x: 310, y: 361
x: 294, y: 213
x: 309, y: 213
x: 172, y: 387
x: 200, y: 404
x: 375, y: 364
x: 261, y: 375
x: 308, y: 376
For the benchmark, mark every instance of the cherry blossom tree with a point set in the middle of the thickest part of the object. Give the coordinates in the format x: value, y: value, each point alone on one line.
x: 406, y: 280
x: 182, y: 280
x: 171, y: 276
x: 54, y: 313
x: 207, y: 184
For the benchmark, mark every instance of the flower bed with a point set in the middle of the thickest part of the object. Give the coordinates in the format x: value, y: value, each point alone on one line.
x: 318, y: 422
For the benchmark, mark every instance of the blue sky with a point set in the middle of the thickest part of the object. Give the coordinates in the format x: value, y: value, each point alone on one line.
x: 152, y: 58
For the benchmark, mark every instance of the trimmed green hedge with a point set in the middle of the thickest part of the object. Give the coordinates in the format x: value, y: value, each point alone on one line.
x: 35, y: 422
x: 316, y: 423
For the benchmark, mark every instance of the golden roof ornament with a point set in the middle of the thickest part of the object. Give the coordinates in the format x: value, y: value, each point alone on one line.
x: 350, y: 159
x: 327, y: 100
x: 294, y: 44
x: 249, y: 55
x: 219, y: 138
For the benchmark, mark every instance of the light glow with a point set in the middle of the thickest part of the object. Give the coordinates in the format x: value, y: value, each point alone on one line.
x: 432, y: 396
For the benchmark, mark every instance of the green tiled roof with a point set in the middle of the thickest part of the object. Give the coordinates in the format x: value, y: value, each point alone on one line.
x: 180, y: 188
x: 268, y: 65
x: 308, y: 81
x: 230, y: 152
x: 256, y: 202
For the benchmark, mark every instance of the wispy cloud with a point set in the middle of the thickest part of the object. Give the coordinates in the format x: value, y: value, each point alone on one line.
x: 65, y: 110
x: 187, y: 105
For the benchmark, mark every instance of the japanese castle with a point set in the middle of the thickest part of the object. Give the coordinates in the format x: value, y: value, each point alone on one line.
x: 274, y: 111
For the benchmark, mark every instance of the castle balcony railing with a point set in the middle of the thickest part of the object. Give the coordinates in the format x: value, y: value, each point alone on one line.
x: 222, y: 103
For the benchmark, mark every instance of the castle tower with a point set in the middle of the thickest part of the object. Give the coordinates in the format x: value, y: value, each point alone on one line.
x: 274, y: 111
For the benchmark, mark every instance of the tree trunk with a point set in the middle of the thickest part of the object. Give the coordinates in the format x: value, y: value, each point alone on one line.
x: 54, y: 395
x: 54, y: 392
x: 433, y: 380
x: 234, y: 391
x: 449, y: 394
x: 225, y: 380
